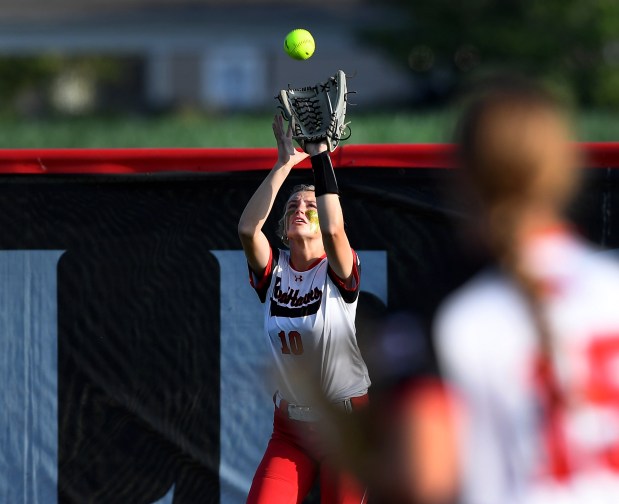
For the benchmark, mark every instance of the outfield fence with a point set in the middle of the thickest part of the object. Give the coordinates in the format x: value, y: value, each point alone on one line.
x: 132, y: 358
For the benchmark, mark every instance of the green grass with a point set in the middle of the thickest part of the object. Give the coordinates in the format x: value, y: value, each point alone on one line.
x: 246, y: 130
x: 599, y: 126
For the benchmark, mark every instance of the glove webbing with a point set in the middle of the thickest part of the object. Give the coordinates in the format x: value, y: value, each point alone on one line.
x: 309, y: 113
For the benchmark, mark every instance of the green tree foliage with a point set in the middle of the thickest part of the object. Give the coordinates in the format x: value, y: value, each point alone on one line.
x: 24, y: 74
x: 571, y: 43
x: 28, y: 80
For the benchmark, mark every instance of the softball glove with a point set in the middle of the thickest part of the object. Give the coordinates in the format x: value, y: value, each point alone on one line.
x: 317, y: 113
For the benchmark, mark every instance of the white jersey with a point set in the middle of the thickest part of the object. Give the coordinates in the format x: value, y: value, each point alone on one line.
x: 488, y: 349
x: 310, y: 324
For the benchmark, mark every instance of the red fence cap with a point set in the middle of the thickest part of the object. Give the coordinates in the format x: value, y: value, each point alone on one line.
x: 149, y: 160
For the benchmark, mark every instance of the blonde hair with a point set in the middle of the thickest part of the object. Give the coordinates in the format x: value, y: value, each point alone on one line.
x: 281, y: 224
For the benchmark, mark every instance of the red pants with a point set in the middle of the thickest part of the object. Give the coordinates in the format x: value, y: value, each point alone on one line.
x: 294, y: 457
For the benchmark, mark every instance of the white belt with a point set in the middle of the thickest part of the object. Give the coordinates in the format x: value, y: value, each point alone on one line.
x: 305, y: 413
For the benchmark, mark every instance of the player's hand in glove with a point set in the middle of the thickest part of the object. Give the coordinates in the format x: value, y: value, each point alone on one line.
x: 286, y: 153
x: 317, y: 113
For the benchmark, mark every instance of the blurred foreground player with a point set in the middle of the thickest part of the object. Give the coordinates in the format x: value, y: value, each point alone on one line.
x: 404, y: 443
x: 531, y: 347
x: 310, y: 295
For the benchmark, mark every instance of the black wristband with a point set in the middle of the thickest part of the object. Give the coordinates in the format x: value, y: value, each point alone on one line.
x: 324, y: 176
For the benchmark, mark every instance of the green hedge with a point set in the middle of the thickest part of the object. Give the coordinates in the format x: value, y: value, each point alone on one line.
x: 245, y: 131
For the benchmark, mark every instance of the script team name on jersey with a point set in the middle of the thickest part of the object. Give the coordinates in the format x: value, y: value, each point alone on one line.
x: 293, y: 304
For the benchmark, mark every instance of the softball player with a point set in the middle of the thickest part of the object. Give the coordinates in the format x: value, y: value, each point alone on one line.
x: 531, y: 348
x: 310, y: 295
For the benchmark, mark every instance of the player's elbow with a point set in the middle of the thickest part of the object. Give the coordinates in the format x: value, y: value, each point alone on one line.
x: 246, y: 230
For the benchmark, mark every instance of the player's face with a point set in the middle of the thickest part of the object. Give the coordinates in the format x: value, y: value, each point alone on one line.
x: 302, y: 215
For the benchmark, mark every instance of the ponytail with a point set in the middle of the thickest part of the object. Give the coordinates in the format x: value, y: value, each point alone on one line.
x: 503, y: 154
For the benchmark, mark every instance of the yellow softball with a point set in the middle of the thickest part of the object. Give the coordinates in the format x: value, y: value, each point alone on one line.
x: 299, y: 44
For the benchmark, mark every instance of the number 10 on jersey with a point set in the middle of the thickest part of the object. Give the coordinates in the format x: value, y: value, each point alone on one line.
x: 291, y: 344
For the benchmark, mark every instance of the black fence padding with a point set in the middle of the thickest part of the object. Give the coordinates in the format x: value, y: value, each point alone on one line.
x: 138, y: 298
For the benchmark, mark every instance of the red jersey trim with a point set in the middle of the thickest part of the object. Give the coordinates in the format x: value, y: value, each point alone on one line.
x: 558, y: 229
x: 265, y: 276
x: 341, y: 283
x: 312, y: 265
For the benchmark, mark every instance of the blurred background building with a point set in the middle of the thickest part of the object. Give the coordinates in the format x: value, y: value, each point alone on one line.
x: 85, y: 56
x: 169, y: 55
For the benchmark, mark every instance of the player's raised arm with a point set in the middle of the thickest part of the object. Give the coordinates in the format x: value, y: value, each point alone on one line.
x: 330, y: 215
x: 319, y: 114
x: 309, y: 324
x: 253, y: 240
